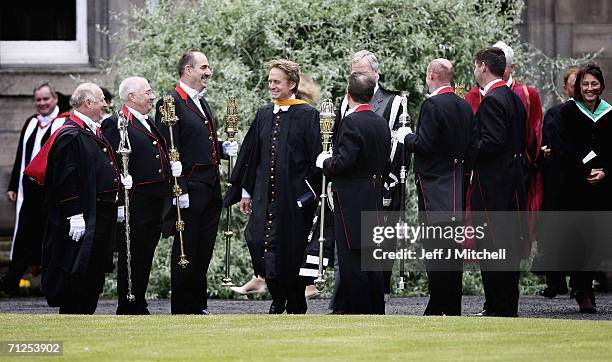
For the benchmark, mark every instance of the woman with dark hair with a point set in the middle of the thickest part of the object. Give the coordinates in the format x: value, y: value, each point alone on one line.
x: 586, y: 131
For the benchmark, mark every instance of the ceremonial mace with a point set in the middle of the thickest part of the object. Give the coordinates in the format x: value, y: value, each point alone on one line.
x: 124, y: 149
x: 169, y: 118
x: 327, y: 117
x: 231, y: 123
x: 404, y: 120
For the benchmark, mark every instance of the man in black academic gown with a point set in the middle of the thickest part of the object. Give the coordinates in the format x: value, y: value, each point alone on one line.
x: 278, y: 154
x: 25, y: 193
x: 497, y: 182
x: 195, y: 137
x: 360, y: 155
x: 81, y: 179
x: 444, y: 135
x: 151, y: 171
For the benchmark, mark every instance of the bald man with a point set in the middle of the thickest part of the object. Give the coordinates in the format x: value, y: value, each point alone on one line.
x: 441, y: 146
x: 150, y: 171
x: 81, y: 179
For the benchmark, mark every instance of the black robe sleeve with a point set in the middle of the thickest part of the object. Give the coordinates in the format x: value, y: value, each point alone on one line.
x: 423, y: 142
x: 243, y: 174
x: 346, y: 150
x: 16, y: 173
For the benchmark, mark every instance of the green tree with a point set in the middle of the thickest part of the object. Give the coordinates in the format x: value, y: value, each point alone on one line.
x: 241, y: 36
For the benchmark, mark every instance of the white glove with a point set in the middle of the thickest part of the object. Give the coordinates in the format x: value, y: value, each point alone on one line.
x: 322, y: 157
x: 77, y: 227
x: 120, y: 213
x: 401, y: 133
x: 176, y: 168
x: 127, y: 182
x: 183, y: 201
x: 230, y: 148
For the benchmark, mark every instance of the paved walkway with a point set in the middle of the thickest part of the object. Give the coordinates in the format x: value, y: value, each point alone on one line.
x: 530, y: 306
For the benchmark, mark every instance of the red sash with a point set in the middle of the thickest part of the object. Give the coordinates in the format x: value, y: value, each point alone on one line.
x: 37, y: 168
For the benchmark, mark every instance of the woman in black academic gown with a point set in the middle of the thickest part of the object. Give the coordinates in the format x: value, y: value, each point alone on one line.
x: 586, y: 131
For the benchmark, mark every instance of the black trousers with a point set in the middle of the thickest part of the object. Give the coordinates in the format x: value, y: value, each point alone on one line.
x: 445, y: 279
x: 28, y: 240
x: 145, y: 229
x: 287, y: 296
x: 83, y: 291
x: 360, y: 292
x: 189, y: 285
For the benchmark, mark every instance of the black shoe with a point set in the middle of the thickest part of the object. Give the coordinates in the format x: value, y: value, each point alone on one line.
x: 590, y: 310
x: 9, y: 290
x: 550, y: 292
x: 205, y: 312
x: 484, y: 313
x: 276, y: 309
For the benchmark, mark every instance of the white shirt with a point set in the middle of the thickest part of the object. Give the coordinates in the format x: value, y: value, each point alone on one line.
x: 490, y: 84
x: 278, y: 108
x: 46, y: 120
x: 194, y: 95
x: 88, y: 121
x: 510, y: 81
x: 141, y: 117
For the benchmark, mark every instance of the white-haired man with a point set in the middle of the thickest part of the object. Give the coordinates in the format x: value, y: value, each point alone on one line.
x: 81, y: 179
x: 150, y: 171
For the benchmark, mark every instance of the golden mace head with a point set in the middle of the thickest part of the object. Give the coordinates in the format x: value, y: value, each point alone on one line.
x: 460, y: 90
x: 168, y: 111
x: 327, y: 118
x: 231, y: 118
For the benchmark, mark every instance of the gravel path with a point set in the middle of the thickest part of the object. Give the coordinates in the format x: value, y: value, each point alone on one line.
x: 530, y: 306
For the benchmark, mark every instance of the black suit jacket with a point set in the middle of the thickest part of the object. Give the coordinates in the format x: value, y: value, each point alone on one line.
x: 148, y: 163
x: 440, y: 145
x: 360, y: 156
x: 195, y: 137
x: 498, y: 169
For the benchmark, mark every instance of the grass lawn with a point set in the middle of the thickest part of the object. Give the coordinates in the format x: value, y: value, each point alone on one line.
x: 320, y: 338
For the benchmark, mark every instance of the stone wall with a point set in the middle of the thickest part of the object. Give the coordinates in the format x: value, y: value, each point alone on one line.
x: 571, y: 28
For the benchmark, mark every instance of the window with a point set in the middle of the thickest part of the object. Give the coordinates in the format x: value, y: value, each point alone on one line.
x: 52, y: 32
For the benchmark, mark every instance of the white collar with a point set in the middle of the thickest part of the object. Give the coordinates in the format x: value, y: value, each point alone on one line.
x: 278, y: 108
x: 510, y: 81
x: 193, y: 94
x: 435, y: 92
x: 46, y: 120
x: 490, y: 84
x: 352, y: 110
x: 88, y: 121
x: 376, y: 87
x: 141, y: 117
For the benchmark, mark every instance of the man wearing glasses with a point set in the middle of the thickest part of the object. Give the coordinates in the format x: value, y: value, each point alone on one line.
x: 150, y: 171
